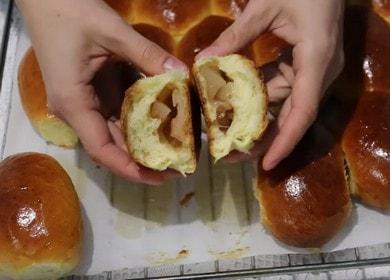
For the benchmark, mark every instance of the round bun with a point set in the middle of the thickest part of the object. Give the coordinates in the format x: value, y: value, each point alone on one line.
x: 34, y: 101
x: 268, y: 48
x: 40, y: 221
x: 366, y: 139
x: 305, y: 200
x: 366, y: 144
x: 196, y: 40
x: 174, y: 16
x: 155, y: 34
x: 382, y: 7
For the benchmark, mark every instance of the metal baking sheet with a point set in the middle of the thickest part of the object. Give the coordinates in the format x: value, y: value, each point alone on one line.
x: 345, y: 264
x: 5, y: 8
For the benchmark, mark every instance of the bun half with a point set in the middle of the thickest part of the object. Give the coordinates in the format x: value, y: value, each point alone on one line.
x: 234, y: 103
x: 157, y: 120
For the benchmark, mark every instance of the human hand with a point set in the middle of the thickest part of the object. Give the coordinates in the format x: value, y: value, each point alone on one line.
x: 314, y: 29
x: 72, y: 40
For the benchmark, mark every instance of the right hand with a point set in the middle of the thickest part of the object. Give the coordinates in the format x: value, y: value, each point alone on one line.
x: 72, y: 40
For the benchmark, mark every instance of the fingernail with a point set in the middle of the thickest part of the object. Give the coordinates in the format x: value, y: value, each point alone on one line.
x: 172, y: 63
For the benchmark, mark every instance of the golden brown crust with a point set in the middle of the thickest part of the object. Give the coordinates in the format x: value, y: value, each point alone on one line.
x: 382, y: 7
x: 34, y: 101
x: 194, y: 132
x: 263, y: 122
x: 228, y: 8
x: 175, y: 16
x: 268, y: 48
x: 196, y: 39
x: 366, y: 144
x: 367, y: 46
x: 305, y: 199
x: 40, y: 219
x: 31, y: 88
x: 155, y: 34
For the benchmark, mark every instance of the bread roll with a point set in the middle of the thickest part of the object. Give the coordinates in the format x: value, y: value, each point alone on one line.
x: 366, y: 139
x: 176, y: 16
x: 34, y: 101
x: 366, y: 144
x: 367, y: 46
x: 268, y: 48
x: 382, y: 7
x: 228, y: 8
x: 157, y: 121
x: 234, y: 103
x: 40, y: 221
x: 305, y: 200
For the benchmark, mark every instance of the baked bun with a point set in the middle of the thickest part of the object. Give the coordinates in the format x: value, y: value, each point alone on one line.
x: 366, y: 139
x: 366, y: 144
x: 40, y: 221
x: 234, y: 103
x: 34, y: 101
x: 382, y: 7
x: 157, y: 120
x: 305, y: 201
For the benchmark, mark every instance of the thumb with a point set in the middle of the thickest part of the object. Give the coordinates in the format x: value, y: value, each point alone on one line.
x: 253, y: 21
x: 145, y: 54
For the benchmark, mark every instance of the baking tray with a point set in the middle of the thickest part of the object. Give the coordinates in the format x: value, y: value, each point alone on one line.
x: 370, y: 262
x: 5, y: 11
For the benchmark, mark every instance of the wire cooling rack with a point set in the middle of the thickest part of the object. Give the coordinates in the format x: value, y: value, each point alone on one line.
x: 371, y: 262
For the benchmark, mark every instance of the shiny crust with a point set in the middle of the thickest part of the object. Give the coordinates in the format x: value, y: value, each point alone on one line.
x: 32, y: 88
x: 188, y: 130
x: 228, y: 8
x: 175, y: 16
x: 155, y: 34
x: 305, y: 200
x: 366, y: 143
x: 382, y: 7
x: 367, y: 49
x: 268, y: 48
x: 203, y: 100
x: 196, y: 39
x: 40, y: 219
x: 366, y: 138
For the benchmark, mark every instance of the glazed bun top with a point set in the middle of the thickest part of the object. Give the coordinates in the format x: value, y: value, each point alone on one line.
x: 40, y: 219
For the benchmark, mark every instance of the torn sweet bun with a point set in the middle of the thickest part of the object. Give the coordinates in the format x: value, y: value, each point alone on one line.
x: 40, y: 219
x: 157, y: 121
x: 33, y: 96
x: 305, y: 200
x: 234, y: 103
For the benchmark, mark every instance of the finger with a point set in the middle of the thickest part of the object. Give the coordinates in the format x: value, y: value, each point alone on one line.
x: 258, y: 150
x: 254, y: 20
x: 135, y: 48
x: 299, y: 113
x: 278, y: 89
x: 117, y: 135
x: 96, y: 139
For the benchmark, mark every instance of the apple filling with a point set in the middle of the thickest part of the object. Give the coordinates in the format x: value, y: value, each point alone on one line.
x: 219, y: 91
x: 168, y: 108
